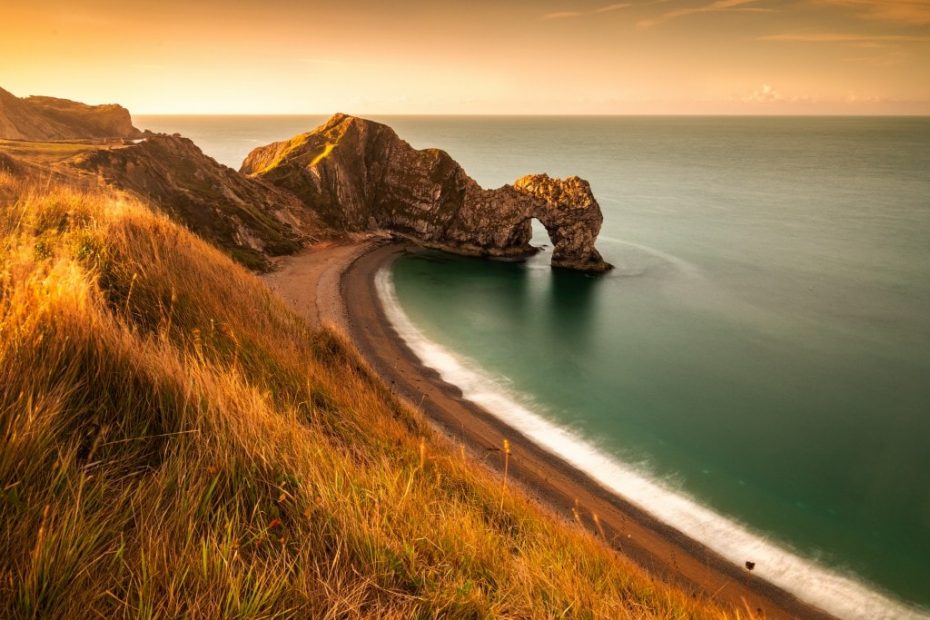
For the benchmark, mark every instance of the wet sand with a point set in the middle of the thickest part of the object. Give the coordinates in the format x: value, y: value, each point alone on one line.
x: 335, y: 285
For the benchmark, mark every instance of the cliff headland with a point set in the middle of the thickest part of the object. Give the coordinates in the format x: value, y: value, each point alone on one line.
x: 349, y: 175
x: 361, y: 176
x: 51, y: 118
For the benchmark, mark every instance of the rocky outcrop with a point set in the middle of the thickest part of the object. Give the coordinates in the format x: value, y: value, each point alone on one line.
x: 572, y: 217
x: 248, y: 218
x: 50, y: 118
x: 349, y: 175
x: 359, y: 175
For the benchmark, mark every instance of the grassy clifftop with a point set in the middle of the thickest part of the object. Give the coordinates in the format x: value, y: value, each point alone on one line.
x: 174, y: 442
x: 248, y: 219
x: 51, y: 118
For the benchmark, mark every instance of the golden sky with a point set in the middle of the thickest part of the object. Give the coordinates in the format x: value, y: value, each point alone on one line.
x: 475, y: 57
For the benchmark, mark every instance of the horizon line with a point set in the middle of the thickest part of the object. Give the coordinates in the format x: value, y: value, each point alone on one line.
x: 548, y: 115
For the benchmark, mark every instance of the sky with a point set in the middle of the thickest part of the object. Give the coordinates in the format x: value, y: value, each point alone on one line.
x: 473, y: 57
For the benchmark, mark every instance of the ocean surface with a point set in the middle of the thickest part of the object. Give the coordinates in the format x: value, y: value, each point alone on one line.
x: 756, y: 370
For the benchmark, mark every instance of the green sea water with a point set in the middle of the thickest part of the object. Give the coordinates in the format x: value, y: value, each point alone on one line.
x: 763, y: 345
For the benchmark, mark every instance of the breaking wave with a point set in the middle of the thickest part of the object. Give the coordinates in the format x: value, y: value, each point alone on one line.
x: 836, y: 593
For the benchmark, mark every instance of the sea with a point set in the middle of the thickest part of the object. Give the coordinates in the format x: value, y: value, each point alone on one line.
x: 756, y: 369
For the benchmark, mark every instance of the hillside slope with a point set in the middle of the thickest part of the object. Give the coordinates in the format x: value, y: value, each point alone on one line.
x: 50, y: 118
x: 174, y: 442
x: 247, y: 218
x: 250, y: 219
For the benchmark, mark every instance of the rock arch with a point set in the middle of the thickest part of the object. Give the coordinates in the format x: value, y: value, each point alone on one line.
x: 571, y: 216
x: 359, y: 175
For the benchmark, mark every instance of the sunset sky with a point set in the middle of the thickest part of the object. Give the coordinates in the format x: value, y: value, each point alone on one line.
x: 475, y: 57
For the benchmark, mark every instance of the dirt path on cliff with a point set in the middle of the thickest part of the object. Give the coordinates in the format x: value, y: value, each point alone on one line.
x: 335, y: 284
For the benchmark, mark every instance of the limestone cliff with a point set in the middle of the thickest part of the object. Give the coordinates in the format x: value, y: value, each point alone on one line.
x: 248, y: 218
x: 50, y: 118
x: 359, y: 175
x: 349, y: 175
x: 572, y: 218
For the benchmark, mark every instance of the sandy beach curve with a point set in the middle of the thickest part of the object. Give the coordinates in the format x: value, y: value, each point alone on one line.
x: 334, y: 285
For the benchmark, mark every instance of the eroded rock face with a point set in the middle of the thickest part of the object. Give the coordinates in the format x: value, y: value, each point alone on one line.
x: 248, y: 218
x: 359, y: 175
x: 572, y: 217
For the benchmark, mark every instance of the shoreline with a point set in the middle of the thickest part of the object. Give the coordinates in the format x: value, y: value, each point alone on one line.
x: 336, y: 285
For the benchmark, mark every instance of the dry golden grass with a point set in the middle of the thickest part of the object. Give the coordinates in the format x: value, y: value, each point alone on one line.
x: 174, y: 442
x: 51, y: 152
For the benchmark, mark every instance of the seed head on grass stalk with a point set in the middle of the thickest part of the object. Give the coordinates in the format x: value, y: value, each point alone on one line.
x: 506, y: 467
x: 597, y: 523
x: 575, y: 512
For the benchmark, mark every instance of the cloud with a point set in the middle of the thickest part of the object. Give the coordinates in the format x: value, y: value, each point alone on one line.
x: 84, y: 19
x: 612, y: 7
x: 767, y: 95
x: 718, y: 6
x: 892, y: 57
x: 769, y: 98
x: 911, y: 12
x: 333, y: 62
x: 854, y: 98
x: 887, y: 50
x: 764, y: 94
x: 837, y: 37
x: 561, y: 15
x: 608, y: 8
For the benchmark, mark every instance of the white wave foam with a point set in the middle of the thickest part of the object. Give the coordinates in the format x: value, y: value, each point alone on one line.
x: 681, y: 264
x: 838, y: 594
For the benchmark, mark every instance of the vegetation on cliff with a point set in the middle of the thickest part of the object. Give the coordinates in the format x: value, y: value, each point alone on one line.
x: 359, y: 175
x: 174, y: 442
x: 51, y: 118
x: 348, y: 175
x: 248, y: 219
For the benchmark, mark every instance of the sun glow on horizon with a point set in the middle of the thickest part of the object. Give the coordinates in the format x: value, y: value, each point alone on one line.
x: 551, y: 57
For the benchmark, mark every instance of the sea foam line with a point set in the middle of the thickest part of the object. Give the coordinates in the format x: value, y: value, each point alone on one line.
x: 681, y: 264
x: 835, y: 593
